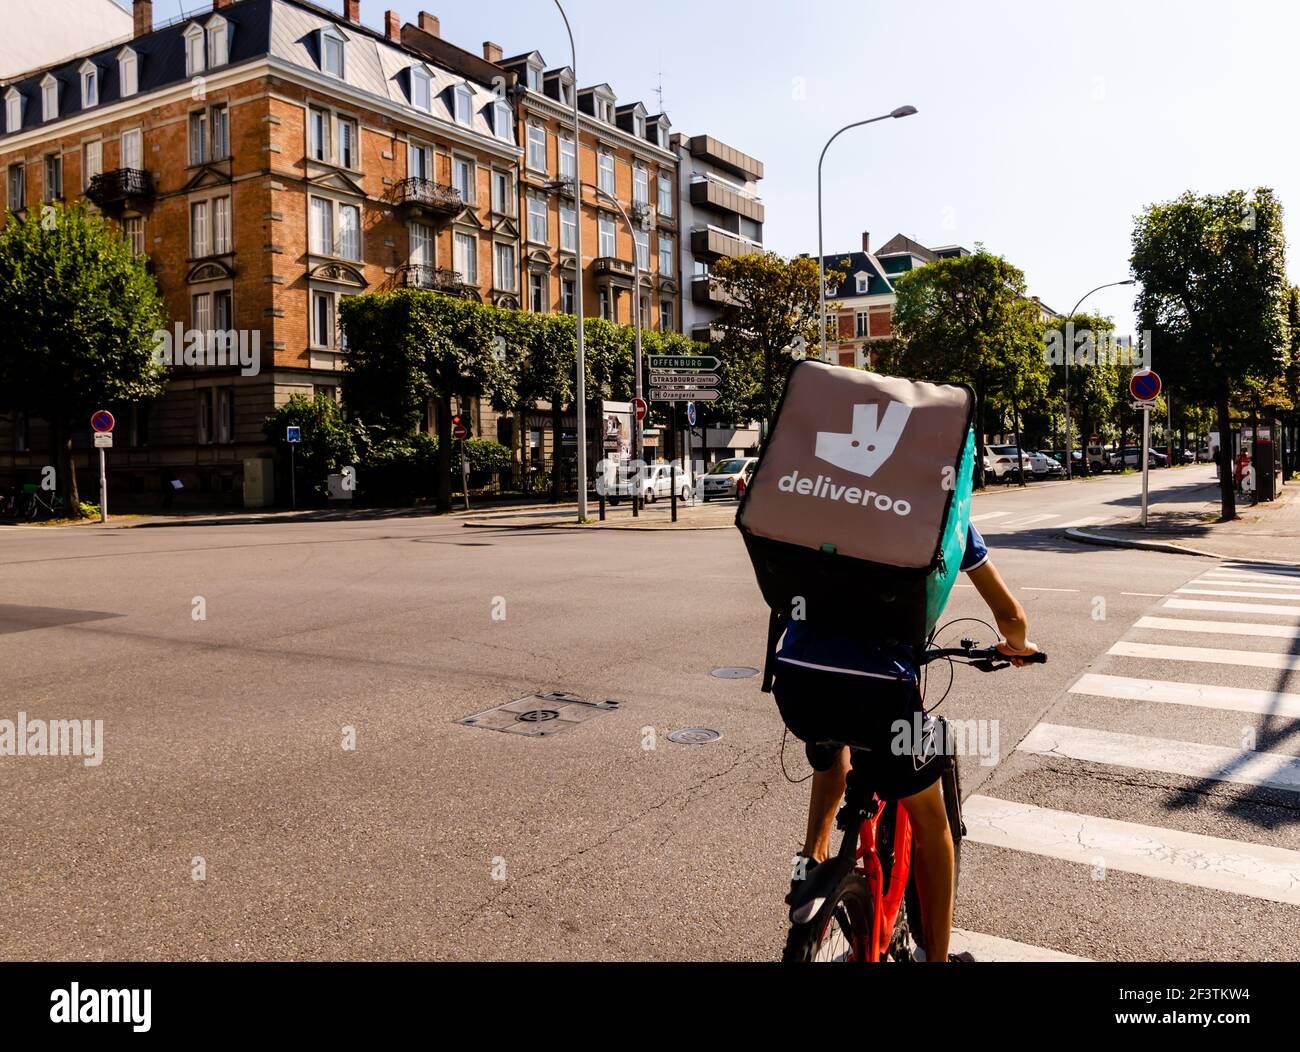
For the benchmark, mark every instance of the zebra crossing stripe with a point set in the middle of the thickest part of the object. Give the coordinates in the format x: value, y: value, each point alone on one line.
x: 1219, y: 581
x: 1029, y: 521
x: 1205, y: 655
x: 1227, y: 628
x: 1198, y: 695
x: 990, y: 948
x: 1272, y: 569
x: 1189, y: 759
x: 1237, y: 867
x: 1230, y: 608
x: 1239, y: 594
x: 984, y: 516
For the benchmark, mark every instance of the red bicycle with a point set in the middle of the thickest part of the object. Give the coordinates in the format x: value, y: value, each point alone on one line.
x: 861, y: 904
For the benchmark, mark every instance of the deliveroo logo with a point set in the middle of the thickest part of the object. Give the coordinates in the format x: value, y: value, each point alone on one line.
x: 871, y: 442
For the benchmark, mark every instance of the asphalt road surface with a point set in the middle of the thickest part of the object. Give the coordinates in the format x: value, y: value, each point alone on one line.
x: 284, y: 775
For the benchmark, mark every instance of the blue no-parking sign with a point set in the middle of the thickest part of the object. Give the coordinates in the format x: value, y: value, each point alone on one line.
x: 690, y: 413
x: 1145, y: 386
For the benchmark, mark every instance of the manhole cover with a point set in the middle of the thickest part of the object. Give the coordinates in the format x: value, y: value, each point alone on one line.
x: 734, y: 672
x: 539, y: 715
x: 695, y: 736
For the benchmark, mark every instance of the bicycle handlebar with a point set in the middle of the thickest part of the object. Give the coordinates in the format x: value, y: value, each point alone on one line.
x: 986, y: 659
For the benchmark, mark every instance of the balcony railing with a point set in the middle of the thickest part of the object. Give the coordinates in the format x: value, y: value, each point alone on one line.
x: 423, y: 276
x: 621, y: 270
x: 121, y: 188
x: 425, y: 195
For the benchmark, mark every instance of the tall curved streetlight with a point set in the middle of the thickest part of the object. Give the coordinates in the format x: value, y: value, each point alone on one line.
x: 901, y: 111
x: 581, y: 387
x: 1069, y: 353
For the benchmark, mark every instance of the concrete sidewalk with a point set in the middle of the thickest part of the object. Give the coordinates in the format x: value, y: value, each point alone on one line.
x: 697, y: 515
x: 1265, y: 532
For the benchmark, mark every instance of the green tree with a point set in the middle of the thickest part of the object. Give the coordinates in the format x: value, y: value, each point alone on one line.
x: 328, y: 444
x: 1214, y: 296
x: 80, y: 316
x: 1094, y: 373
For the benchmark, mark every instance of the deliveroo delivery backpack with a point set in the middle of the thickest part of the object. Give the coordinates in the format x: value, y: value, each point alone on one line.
x: 856, y: 515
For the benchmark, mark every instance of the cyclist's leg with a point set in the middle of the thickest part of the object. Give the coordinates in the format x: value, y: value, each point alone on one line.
x: 830, y: 770
x: 932, y: 866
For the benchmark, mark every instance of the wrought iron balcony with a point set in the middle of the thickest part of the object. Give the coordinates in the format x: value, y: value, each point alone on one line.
x: 423, y: 276
x: 121, y: 189
x: 424, y: 195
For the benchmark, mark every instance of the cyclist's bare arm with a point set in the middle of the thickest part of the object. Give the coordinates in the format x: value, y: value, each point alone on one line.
x: 1006, y: 609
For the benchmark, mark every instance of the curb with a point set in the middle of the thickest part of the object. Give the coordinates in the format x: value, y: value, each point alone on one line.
x: 485, y: 525
x: 1168, y: 547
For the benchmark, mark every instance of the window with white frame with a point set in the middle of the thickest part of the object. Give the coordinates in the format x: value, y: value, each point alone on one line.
x: 132, y: 148
x: 465, y: 257
x: 666, y: 315
x: 349, y: 224
x: 209, y: 135
x: 17, y: 187
x: 318, y: 134
x: 349, y: 155
x: 53, y: 176
x: 89, y: 85
x: 605, y: 172
x: 419, y: 161
x: 667, y: 258
x: 861, y: 323
x: 128, y: 73
x: 566, y: 97
x: 863, y: 281
x: 534, y: 78
x: 537, y: 208
x: 421, y: 235
x: 195, y: 51
x: 92, y: 162
x: 323, y: 318
x: 537, y: 293
x: 463, y: 178
x: 567, y: 296
x: 209, y: 227
x: 641, y: 238
x: 503, y: 266
x: 421, y: 88
x: 568, y: 159
x: 218, y: 42
x: 333, y: 48
x: 134, y: 230
x: 536, y: 147
x: 463, y: 103
x: 503, y: 194
x: 604, y: 304
x: 501, y: 121
x: 335, y: 229
x: 640, y: 185
x: 661, y: 134
x: 49, y: 98
x: 221, y: 239
x: 607, y: 242
x: 13, y: 110
x: 665, y: 194
x: 568, y: 227
x: 638, y: 126
x: 322, y: 226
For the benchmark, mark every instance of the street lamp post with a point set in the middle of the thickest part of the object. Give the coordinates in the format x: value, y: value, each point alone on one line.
x: 901, y: 111
x: 1069, y: 353
x: 581, y: 390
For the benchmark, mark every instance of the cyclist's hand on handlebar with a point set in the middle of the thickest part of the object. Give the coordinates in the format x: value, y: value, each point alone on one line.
x: 1017, y: 655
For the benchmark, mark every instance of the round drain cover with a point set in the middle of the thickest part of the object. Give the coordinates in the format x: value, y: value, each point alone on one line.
x: 536, y: 716
x: 695, y: 736
x: 734, y: 672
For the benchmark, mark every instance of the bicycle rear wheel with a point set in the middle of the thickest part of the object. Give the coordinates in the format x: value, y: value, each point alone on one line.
x: 841, y: 931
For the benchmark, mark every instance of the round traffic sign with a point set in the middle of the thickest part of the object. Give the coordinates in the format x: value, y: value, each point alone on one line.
x: 641, y: 407
x: 1144, y: 386
x: 102, y: 420
x: 690, y: 413
x: 460, y: 431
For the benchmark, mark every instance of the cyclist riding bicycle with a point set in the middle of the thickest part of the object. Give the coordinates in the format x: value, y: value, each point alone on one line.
x: 824, y: 677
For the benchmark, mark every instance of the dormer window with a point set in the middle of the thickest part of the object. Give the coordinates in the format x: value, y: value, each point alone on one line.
x: 661, y: 133
x: 196, y: 55
x: 128, y: 72
x: 863, y: 281
x: 218, y: 42
x: 605, y: 110
x: 566, y: 92
x: 534, y: 77
x: 638, y: 126
x: 421, y: 88
x: 49, y: 98
x: 13, y: 110
x: 89, y: 85
x: 463, y: 101
x: 501, y: 121
x: 332, y: 51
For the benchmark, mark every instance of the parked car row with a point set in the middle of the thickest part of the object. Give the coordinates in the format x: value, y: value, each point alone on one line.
x: 1000, y: 464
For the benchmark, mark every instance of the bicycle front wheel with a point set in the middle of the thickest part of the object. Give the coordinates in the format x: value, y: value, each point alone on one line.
x: 842, y: 930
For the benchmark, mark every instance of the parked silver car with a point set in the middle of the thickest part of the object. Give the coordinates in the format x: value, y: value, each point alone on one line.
x: 728, y: 478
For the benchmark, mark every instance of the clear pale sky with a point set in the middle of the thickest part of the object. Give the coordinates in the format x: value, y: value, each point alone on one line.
x: 1044, y: 127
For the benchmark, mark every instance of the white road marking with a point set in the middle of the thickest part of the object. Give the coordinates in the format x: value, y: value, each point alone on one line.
x: 1189, y: 759
x: 1147, y: 595
x: 1230, y: 608
x: 1028, y: 521
x: 1205, y: 655
x: 1240, y: 868
x: 1197, y: 695
x: 984, y: 516
x: 1032, y: 588
x: 1243, y: 594
x: 1228, y: 628
x: 990, y: 948
x: 1219, y: 581
x: 1272, y: 569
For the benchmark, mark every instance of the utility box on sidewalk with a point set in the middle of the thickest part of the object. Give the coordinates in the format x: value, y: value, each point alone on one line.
x: 1265, y: 470
x: 259, y: 482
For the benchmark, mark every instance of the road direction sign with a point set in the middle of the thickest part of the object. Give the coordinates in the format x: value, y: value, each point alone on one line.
x: 103, y: 439
x: 1145, y: 386
x: 669, y: 395
x: 666, y: 362
x: 102, y: 420
x: 641, y: 408
x: 460, y: 431
x: 293, y: 434
x: 673, y: 379
x: 1144, y: 405
x: 690, y: 413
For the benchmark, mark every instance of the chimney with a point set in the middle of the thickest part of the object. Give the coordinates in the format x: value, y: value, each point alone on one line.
x: 393, y: 26
x: 492, y: 52
x: 143, y: 17
x: 429, y: 23
x: 866, y: 241
x: 352, y: 11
